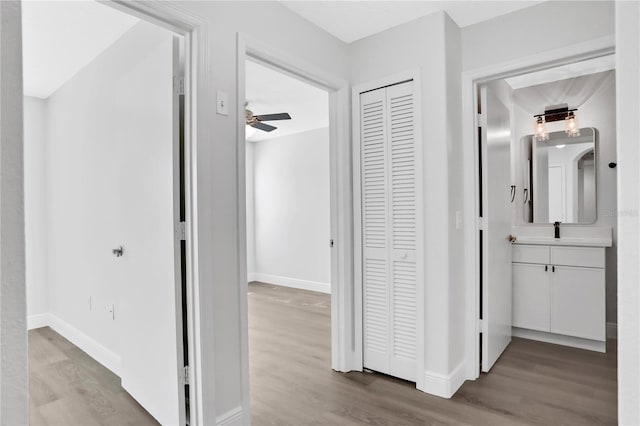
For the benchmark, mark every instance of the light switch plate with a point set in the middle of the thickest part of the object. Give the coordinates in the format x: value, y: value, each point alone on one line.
x: 222, y: 103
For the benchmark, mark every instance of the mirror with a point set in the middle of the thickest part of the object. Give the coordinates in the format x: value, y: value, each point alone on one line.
x: 560, y: 178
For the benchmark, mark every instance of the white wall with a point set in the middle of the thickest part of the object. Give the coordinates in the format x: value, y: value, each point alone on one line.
x: 13, y: 327
x: 628, y: 212
x: 437, y: 55
x: 291, y: 210
x: 88, y: 191
x: 35, y: 205
x: 546, y: 26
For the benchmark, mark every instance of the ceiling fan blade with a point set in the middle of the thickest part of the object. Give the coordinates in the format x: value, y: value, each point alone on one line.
x: 273, y: 117
x: 263, y: 126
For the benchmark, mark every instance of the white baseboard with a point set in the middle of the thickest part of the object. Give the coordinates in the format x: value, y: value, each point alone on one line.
x: 94, y: 349
x: 560, y: 339
x: 444, y: 385
x: 233, y: 417
x: 612, y: 330
x: 38, y: 321
x: 290, y: 282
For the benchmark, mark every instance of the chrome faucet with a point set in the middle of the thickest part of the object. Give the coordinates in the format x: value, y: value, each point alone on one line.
x: 556, y: 230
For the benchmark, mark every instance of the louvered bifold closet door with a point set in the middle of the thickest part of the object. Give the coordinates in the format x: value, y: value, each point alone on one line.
x: 375, y: 230
x: 389, y: 229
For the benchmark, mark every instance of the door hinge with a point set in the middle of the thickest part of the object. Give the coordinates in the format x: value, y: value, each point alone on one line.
x: 183, y: 231
x: 480, y: 223
x: 482, y: 120
x: 331, y: 243
x: 186, y: 375
x: 481, y: 326
x: 179, y: 85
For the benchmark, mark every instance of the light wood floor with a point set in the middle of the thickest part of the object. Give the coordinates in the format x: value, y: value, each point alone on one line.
x: 292, y: 383
x: 67, y: 387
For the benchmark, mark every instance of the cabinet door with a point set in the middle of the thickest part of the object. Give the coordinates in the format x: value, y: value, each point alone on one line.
x: 578, y: 302
x: 531, y: 296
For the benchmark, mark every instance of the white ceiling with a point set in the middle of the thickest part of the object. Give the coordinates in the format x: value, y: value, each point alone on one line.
x: 269, y: 91
x: 575, y: 69
x: 574, y: 91
x: 62, y: 37
x: 352, y: 20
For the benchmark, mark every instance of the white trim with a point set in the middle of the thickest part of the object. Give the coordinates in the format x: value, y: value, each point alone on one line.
x: 232, y: 417
x: 470, y: 79
x: 38, y: 321
x: 612, y: 330
x: 442, y: 385
x: 194, y: 29
x: 560, y: 339
x: 410, y: 74
x: 290, y: 282
x: 341, y: 214
x: 93, y: 348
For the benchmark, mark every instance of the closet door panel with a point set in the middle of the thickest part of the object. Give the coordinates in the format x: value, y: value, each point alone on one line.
x: 403, y: 241
x: 375, y: 230
x: 389, y: 229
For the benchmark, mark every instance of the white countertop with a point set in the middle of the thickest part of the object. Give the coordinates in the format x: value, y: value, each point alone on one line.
x: 566, y: 241
x: 586, y: 236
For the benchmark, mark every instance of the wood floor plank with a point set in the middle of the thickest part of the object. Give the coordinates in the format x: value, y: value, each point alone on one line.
x: 533, y: 383
x: 68, y: 387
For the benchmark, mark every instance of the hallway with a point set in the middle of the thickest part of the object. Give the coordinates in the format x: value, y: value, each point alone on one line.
x: 292, y: 383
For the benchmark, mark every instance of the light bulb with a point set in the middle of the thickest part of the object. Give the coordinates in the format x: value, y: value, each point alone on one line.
x: 560, y: 146
x: 540, y: 130
x: 571, y: 125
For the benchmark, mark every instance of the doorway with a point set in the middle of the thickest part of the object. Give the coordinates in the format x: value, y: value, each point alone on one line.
x: 113, y: 189
x: 288, y: 236
x: 537, y: 176
x: 340, y: 241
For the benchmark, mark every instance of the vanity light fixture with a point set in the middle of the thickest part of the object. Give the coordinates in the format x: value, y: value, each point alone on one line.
x: 571, y: 125
x: 556, y: 113
x: 540, y: 130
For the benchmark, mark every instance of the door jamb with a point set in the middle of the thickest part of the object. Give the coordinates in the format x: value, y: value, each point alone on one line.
x: 342, y: 324
x: 471, y: 79
x: 193, y: 29
x: 411, y: 74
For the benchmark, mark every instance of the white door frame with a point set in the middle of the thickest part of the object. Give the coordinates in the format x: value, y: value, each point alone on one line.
x: 193, y: 29
x: 342, y: 324
x: 411, y: 74
x: 470, y: 80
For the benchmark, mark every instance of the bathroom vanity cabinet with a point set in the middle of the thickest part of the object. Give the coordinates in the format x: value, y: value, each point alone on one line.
x: 559, y: 294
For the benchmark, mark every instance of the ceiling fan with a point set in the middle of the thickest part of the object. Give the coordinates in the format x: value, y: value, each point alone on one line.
x: 256, y: 121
